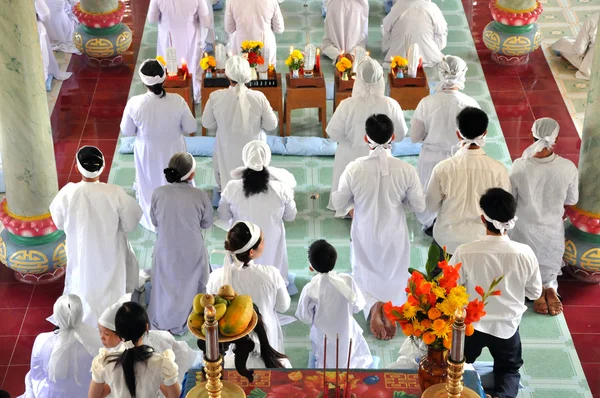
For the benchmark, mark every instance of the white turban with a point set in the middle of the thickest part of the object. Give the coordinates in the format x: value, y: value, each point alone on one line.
x: 107, y: 319
x: 231, y: 259
x: 369, y: 80
x: 499, y: 225
x: 152, y: 80
x: 382, y: 151
x: 90, y: 161
x: 237, y: 69
x: 256, y: 156
x: 452, y: 71
x: 546, y: 131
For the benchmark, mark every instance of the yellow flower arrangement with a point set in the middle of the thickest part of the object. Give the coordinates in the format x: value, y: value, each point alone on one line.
x: 296, y: 60
x: 208, y: 63
x: 251, y: 46
x: 343, y: 65
x: 399, y: 62
x: 162, y: 61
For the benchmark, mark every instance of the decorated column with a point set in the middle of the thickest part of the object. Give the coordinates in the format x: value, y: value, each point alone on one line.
x: 29, y: 242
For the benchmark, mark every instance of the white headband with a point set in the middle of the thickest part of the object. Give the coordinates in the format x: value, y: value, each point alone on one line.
x: 87, y: 173
x: 230, y: 258
x: 380, y: 150
x: 465, y: 143
x: 501, y: 226
x: 152, y: 80
x: 192, y: 169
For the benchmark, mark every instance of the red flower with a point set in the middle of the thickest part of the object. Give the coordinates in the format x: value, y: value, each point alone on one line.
x: 255, y: 59
x: 475, y: 311
x: 449, y: 279
x: 479, y: 291
x: 496, y: 293
x: 392, y: 313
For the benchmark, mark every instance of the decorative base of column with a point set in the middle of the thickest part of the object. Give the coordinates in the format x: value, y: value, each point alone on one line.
x: 582, y: 255
x: 510, y: 61
x: 511, y: 45
x: 41, y: 279
x: 104, y: 62
x: 103, y: 46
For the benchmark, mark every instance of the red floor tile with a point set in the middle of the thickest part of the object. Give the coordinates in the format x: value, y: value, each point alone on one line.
x: 84, y: 71
x: 587, y: 347
x: 14, y: 382
x: 106, y: 146
x: 510, y: 98
x: 515, y: 128
x: 573, y: 158
x: 583, y: 319
x: 67, y: 131
x: 504, y: 83
x: 22, y: 354
x: 75, y: 100
x: 93, y: 130
x: 557, y: 112
x: 69, y: 115
x: 579, y: 294
x: 7, y: 346
x: 15, y: 295
x: 535, y: 69
x: 116, y: 99
x: 64, y: 164
x: 66, y: 149
x: 116, y: 85
x: 118, y: 72
x: 492, y: 68
x: 518, y: 113
x: 3, y: 370
x: 12, y: 319
x: 76, y: 84
x: 44, y: 296
x: 592, y: 374
x: 6, y: 275
x: 538, y: 83
x: 63, y: 179
x: 35, y: 322
x: 544, y: 97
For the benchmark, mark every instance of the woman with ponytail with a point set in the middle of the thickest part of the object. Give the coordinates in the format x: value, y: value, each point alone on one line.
x: 158, y: 121
x: 135, y: 370
x: 180, y: 212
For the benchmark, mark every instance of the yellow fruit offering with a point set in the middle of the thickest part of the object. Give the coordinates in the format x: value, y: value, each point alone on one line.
x: 197, y: 305
x: 196, y: 321
x: 226, y: 292
x: 220, y: 309
x: 238, y: 316
x: 207, y: 299
x: 220, y: 300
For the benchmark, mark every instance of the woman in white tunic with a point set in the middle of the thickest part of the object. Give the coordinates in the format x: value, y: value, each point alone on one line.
x: 265, y: 196
x: 263, y: 283
x: 48, y: 59
x: 60, y: 26
x: 347, y: 125
x: 255, y: 20
x: 179, y: 26
x: 180, y: 268
x: 420, y: 20
x: 159, y: 121
x: 434, y: 122
x: 61, y: 360
x: 346, y: 26
x: 580, y: 51
x: 240, y: 115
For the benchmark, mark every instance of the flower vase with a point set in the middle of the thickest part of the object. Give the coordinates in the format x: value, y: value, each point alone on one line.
x: 345, y: 75
x: 433, y: 368
x: 295, y: 73
x: 209, y: 74
x: 253, y: 74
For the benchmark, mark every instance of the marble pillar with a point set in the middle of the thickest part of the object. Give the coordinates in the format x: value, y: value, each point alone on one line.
x: 30, y: 244
x: 582, y: 247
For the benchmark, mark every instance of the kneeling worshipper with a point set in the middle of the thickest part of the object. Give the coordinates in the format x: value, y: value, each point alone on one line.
x: 96, y: 218
x: 415, y: 21
x: 60, y: 26
x: 580, y: 51
x: 51, y: 69
x: 543, y: 183
x: 160, y: 341
x: 240, y: 115
x: 434, y: 123
x: 346, y: 26
x: 262, y: 195
x: 180, y: 263
x: 347, y: 125
x: 61, y: 360
x: 159, y: 121
x: 378, y: 186
x: 245, y: 242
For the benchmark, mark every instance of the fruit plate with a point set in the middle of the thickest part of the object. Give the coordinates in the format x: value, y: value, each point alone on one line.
x: 228, y: 339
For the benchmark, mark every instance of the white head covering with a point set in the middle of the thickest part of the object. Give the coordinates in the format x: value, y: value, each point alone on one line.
x: 107, y: 319
x: 237, y: 69
x: 152, y: 80
x: 370, y: 81
x: 382, y: 151
x: 546, y: 131
x: 256, y: 156
x: 192, y: 169
x: 501, y: 226
x: 337, y: 282
x: 90, y: 161
x: 230, y: 258
x: 452, y: 71
x: 68, y: 315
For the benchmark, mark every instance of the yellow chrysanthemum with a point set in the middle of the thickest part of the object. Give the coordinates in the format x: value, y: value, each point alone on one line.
x: 446, y: 307
x: 439, y: 291
x: 297, y: 54
x: 161, y: 59
x: 343, y: 64
x: 458, y: 296
x: 208, y: 62
x: 438, y: 324
x: 444, y: 329
x: 409, y: 312
x: 398, y: 61
x: 418, y: 326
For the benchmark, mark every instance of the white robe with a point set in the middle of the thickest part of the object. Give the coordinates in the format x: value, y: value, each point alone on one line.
x: 268, y: 210
x: 423, y: 22
x: 60, y: 26
x: 101, y: 264
x: 181, y: 22
x: 380, y: 248
x: 268, y: 291
x: 346, y: 26
x: 542, y: 187
x: 580, y: 51
x: 158, y: 125
x: 256, y: 20
x: 254, y: 362
x: 48, y: 59
x: 180, y: 264
x: 331, y: 315
x: 231, y: 137
x: 434, y: 124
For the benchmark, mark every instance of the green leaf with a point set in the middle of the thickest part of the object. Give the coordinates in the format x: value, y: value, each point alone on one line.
x: 411, y: 270
x: 402, y: 394
x: 257, y: 393
x: 433, y: 257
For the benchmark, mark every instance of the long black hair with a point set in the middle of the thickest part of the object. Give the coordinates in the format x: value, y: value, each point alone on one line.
x: 131, y: 323
x: 237, y: 237
x: 271, y: 356
x: 255, y: 181
x: 154, y: 68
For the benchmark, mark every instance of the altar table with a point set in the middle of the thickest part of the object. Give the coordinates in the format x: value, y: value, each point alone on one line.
x: 408, y: 97
x: 338, y: 94
x: 305, y: 97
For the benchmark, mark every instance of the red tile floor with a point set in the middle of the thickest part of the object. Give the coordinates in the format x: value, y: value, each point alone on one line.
x: 89, y: 111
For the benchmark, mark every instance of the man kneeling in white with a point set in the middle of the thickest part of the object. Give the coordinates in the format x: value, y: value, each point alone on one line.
x: 580, y: 51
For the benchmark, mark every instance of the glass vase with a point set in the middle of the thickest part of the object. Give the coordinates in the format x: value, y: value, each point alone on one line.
x: 433, y: 368
x: 253, y: 74
x: 295, y: 73
x: 345, y: 75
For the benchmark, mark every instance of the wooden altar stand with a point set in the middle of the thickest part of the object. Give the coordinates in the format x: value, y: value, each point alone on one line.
x: 183, y: 87
x: 305, y: 97
x: 341, y: 89
x: 409, y: 91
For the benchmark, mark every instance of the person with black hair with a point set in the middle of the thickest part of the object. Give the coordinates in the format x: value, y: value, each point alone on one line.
x: 328, y: 303
x: 378, y: 186
x: 263, y: 195
x: 180, y: 264
x: 490, y: 258
x: 159, y: 121
x: 457, y: 183
x: 136, y: 370
x: 244, y: 243
x: 96, y: 218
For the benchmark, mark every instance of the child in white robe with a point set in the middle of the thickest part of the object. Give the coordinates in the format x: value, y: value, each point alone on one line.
x: 327, y: 303
x: 263, y: 283
x: 60, y: 360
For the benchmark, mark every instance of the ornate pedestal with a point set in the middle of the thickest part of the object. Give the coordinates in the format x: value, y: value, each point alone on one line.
x: 582, y: 245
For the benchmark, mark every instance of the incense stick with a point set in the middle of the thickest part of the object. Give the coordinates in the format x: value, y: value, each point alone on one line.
x: 337, y: 366
x: 325, y: 385
x: 170, y: 40
x: 347, y: 384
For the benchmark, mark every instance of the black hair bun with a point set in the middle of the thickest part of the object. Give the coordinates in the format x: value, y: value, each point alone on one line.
x: 171, y: 175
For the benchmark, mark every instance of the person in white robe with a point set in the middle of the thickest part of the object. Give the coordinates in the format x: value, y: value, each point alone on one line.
x: 579, y: 51
x: 543, y: 183
x: 347, y: 124
x: 415, y: 21
x: 263, y: 195
x: 254, y: 20
x: 96, y: 217
x: 434, y: 122
x: 160, y: 341
x: 245, y: 242
x: 378, y: 186
x: 240, y: 115
x: 158, y: 120
x: 180, y: 23
x: 60, y: 27
x: 327, y: 303
x: 457, y: 183
x: 61, y: 360
x: 180, y: 264
x: 51, y: 68
x: 346, y: 26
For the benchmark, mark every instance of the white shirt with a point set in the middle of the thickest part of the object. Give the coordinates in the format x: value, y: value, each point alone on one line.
x: 454, y: 190
x: 493, y: 257
x: 346, y: 25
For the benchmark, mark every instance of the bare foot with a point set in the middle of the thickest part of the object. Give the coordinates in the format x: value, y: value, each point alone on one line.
x: 351, y: 213
x: 377, y: 326
x: 390, y: 327
x: 540, y: 305
x: 554, y: 305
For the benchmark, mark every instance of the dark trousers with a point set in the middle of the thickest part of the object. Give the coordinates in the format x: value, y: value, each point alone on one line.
x: 507, y: 360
